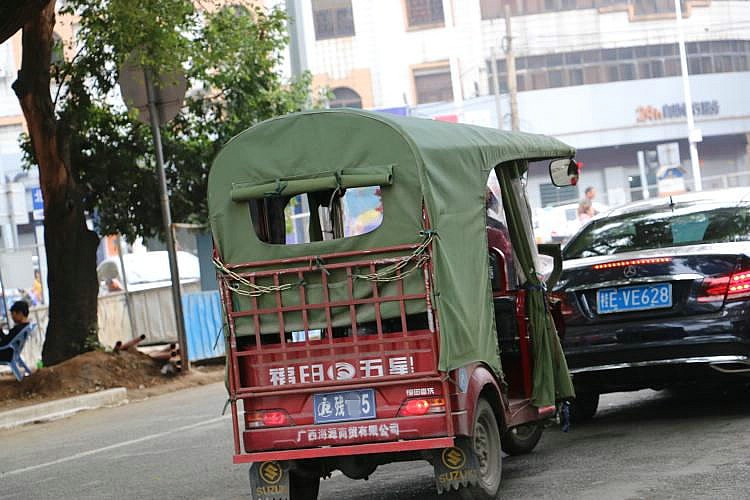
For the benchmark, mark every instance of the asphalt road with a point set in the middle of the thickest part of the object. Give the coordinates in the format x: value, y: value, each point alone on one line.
x: 642, y: 445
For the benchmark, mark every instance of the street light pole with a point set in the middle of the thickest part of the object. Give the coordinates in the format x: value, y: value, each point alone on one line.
x: 496, y: 89
x: 167, y: 220
x: 694, y: 135
x: 510, y: 61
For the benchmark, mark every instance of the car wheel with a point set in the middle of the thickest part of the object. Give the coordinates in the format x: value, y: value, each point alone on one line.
x: 303, y: 487
x: 522, y: 439
x: 584, y: 406
x: 486, y: 446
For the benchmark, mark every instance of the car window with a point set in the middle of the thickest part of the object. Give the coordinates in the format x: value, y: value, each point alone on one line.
x: 663, y: 227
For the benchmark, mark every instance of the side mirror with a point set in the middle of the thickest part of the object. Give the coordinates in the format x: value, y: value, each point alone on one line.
x: 554, y: 252
x: 564, y: 172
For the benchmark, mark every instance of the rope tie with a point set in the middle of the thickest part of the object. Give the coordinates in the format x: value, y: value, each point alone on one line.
x: 250, y: 289
x: 320, y: 265
x: 418, y: 257
x: 394, y: 272
x: 278, y: 190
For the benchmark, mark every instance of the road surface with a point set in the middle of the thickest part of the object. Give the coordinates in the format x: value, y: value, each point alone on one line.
x: 641, y: 445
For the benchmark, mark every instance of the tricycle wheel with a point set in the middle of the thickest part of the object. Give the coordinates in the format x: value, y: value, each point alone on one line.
x: 486, y: 446
x: 584, y: 406
x: 303, y: 487
x: 522, y: 439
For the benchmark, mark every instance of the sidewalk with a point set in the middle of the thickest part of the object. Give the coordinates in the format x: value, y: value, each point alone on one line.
x: 62, y: 408
x: 52, y: 406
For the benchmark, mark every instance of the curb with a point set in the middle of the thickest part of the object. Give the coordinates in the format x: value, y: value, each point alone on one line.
x: 62, y: 408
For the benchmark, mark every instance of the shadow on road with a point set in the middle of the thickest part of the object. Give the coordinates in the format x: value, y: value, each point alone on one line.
x: 670, y: 404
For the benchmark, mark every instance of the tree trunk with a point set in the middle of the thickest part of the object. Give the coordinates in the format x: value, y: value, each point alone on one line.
x: 71, y: 247
x: 14, y: 13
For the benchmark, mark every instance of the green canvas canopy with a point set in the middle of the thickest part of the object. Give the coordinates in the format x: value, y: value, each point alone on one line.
x: 413, y: 161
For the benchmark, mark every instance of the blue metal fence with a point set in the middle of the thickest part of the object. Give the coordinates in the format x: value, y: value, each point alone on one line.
x: 203, y: 325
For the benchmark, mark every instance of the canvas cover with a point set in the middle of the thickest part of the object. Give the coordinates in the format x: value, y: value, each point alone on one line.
x: 445, y: 165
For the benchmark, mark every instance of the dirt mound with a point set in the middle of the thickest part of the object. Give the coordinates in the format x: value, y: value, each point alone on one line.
x: 89, y: 372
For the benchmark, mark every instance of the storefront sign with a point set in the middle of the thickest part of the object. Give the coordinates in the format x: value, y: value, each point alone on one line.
x: 675, y: 111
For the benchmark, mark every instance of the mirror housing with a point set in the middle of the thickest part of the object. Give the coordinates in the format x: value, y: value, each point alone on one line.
x: 564, y: 172
x: 553, y: 251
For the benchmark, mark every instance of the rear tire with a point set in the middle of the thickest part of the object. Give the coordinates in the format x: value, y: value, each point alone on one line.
x: 486, y: 446
x: 522, y: 439
x: 584, y: 406
x: 303, y: 487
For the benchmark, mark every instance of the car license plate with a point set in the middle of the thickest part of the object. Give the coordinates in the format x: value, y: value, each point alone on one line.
x: 634, y: 298
x: 344, y: 406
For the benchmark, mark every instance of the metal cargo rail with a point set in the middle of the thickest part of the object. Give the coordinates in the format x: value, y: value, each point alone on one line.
x: 386, y: 351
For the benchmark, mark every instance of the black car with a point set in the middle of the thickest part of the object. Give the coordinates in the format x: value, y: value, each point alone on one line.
x: 657, y: 295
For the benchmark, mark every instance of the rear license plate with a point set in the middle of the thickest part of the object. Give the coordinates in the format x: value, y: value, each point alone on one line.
x: 344, y: 406
x: 634, y: 298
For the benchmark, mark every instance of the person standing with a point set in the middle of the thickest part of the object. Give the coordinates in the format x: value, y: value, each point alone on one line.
x: 586, y: 208
x: 36, y: 289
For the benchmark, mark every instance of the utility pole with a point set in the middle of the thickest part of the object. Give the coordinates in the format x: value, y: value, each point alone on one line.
x: 297, y: 59
x: 510, y: 62
x: 496, y: 89
x: 644, y: 177
x: 694, y: 135
x: 455, y: 67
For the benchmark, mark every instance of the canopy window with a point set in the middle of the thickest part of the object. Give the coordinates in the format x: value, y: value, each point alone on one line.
x: 317, y: 216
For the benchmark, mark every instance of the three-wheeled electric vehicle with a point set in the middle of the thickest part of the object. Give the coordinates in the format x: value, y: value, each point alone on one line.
x: 374, y: 313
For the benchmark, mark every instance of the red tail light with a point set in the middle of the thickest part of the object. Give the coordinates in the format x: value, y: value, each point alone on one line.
x: 421, y: 406
x: 714, y: 289
x: 565, y: 308
x: 720, y: 288
x: 632, y: 262
x: 267, y: 418
x: 739, y: 285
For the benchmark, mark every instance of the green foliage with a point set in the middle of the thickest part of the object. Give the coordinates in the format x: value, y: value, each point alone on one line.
x: 231, y: 59
x: 91, y: 343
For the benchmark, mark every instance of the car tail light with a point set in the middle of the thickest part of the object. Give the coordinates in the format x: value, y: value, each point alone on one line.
x: 714, y: 289
x: 421, y: 406
x: 720, y: 288
x: 267, y: 418
x: 565, y: 308
x: 632, y: 262
x: 739, y: 285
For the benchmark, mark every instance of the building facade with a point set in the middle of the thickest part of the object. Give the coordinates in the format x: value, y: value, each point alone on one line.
x: 602, y: 75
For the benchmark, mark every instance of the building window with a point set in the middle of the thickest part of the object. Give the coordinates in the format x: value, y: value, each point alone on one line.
x: 344, y: 97
x: 424, y: 13
x: 493, y: 9
x: 553, y: 195
x: 433, y: 84
x: 556, y: 78
x: 650, y: 7
x: 332, y: 18
x: 575, y: 76
x: 623, y: 64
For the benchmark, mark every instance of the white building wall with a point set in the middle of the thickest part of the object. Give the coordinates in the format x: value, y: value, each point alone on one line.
x: 384, y: 44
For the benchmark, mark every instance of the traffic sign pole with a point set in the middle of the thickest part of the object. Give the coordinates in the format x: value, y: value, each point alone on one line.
x: 167, y: 220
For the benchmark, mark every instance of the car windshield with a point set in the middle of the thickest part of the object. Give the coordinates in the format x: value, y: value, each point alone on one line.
x: 668, y: 226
